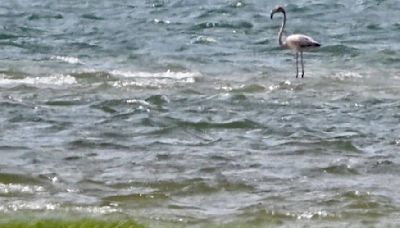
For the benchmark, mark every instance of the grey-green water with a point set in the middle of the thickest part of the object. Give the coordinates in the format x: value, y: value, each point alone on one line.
x: 188, y: 113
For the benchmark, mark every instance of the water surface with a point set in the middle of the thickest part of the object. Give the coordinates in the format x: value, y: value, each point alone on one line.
x: 188, y: 113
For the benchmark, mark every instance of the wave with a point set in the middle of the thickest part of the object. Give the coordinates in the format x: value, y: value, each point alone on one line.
x: 203, y: 40
x: 228, y: 25
x: 347, y: 75
x: 153, y: 80
x: 160, y: 21
x: 67, y: 59
x: 95, y: 77
x: 54, y: 80
x: 232, y: 124
x: 9, y: 189
x: 167, y: 74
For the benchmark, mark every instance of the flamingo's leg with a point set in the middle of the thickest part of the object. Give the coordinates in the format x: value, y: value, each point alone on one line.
x: 302, y: 64
x: 297, y: 64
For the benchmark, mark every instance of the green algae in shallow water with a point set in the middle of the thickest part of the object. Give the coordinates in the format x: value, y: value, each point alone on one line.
x: 71, y: 224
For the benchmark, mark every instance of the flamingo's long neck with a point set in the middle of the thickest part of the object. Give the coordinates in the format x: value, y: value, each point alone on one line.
x: 281, y: 42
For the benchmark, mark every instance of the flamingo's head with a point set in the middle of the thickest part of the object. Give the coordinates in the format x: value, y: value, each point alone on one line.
x: 277, y: 9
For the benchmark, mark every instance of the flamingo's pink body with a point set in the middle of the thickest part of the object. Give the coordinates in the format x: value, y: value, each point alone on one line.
x: 296, y: 42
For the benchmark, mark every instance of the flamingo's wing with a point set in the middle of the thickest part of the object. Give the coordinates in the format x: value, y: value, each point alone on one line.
x: 300, y: 41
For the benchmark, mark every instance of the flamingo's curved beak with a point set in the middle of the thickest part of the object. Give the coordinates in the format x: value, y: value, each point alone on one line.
x: 272, y: 13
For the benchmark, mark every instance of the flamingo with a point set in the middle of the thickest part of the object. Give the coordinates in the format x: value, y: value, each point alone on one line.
x: 296, y: 42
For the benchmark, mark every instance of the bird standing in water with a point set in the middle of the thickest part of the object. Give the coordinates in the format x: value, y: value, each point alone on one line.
x: 296, y: 42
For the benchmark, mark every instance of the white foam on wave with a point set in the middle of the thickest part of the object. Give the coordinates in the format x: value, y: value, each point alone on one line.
x: 156, y: 80
x: 102, y: 210
x: 18, y: 205
x: 347, y: 75
x: 19, y: 188
x: 67, y: 59
x: 54, y: 80
x: 167, y: 74
x: 203, y: 40
x: 159, y: 21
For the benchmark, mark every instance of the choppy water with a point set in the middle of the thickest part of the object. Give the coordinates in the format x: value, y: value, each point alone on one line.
x: 187, y: 112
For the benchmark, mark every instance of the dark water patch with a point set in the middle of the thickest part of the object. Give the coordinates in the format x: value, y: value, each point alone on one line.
x: 168, y: 186
x: 33, y: 46
x: 121, y: 107
x: 113, y: 135
x: 342, y: 145
x: 383, y: 167
x: 90, y: 16
x: 56, y: 126
x: 18, y: 45
x: 84, y: 45
x: 6, y: 36
x: 106, y: 109
x: 95, y: 144
x: 333, y: 169
x: 232, y: 186
x: 11, y: 178
x: 318, y: 146
x: 182, y: 207
x: 72, y: 158
x: 158, y: 100
x: 136, y: 115
x: 199, y: 186
x: 14, y: 104
x: 202, y: 187
x: 295, y: 8
x: 260, y: 215
x: 366, y: 201
x: 13, y: 73
x: 137, y: 199
x: 213, y: 12
x: 219, y: 158
x: 35, y: 16
x: 238, y: 97
x: 251, y: 88
x: 163, y: 157
x: 13, y: 148
x: 60, y: 102
x: 340, y: 50
x: 202, y: 125
x: 165, y: 127
x: 397, y: 26
x: 209, y: 169
x: 355, y: 195
x: 340, y: 170
x: 188, y: 139
x: 366, y: 205
x: 386, y: 57
x: 374, y: 27
x: 26, y: 31
x: 23, y: 118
